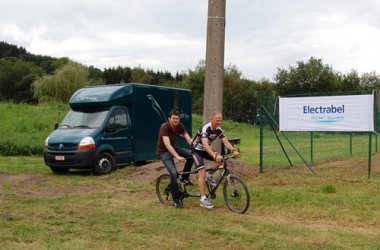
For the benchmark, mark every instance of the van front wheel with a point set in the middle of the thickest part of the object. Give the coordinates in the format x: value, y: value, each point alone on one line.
x: 105, y: 163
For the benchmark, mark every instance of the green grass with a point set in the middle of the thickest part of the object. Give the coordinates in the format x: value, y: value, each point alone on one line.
x: 24, y: 128
x: 289, y: 210
x: 329, y: 188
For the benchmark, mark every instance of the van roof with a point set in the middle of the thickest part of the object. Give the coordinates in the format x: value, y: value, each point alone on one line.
x: 100, y: 96
x: 103, y: 96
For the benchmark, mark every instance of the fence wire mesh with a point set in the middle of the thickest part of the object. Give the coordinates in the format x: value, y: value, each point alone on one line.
x: 293, y: 148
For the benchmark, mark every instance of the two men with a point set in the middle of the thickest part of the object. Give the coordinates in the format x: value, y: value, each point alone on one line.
x: 201, y: 149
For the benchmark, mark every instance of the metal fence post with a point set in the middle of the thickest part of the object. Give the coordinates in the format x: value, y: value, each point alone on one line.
x: 351, y: 143
x: 375, y: 126
x: 369, y: 153
x: 311, y: 146
x: 261, y: 129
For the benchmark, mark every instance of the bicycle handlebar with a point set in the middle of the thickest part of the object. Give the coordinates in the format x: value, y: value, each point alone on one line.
x: 225, y: 158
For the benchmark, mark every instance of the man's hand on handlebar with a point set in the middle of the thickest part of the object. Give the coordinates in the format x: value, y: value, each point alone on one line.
x: 236, y: 153
x: 219, y: 158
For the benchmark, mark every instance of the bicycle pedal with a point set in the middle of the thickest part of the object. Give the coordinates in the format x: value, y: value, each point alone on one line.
x: 187, y: 183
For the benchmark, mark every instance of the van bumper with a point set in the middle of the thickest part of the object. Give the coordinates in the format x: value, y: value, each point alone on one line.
x: 81, y: 159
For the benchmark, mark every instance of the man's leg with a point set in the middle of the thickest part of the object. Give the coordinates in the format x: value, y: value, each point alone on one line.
x: 204, y: 202
x: 199, y: 163
x: 189, y: 160
x: 167, y: 160
x: 202, y: 182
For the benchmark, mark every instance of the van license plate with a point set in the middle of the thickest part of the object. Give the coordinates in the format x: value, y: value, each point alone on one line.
x: 59, y: 157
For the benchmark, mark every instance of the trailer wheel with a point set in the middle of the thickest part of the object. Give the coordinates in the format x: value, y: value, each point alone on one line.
x: 104, y: 164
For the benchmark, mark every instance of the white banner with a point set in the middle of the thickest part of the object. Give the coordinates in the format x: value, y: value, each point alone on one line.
x: 327, y: 113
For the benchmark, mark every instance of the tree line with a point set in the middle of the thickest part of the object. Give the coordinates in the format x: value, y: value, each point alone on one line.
x: 29, y: 78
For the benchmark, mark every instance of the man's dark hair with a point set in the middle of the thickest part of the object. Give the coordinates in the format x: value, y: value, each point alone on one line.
x: 174, y: 112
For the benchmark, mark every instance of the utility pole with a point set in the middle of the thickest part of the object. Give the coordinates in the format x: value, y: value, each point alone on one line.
x: 214, y: 75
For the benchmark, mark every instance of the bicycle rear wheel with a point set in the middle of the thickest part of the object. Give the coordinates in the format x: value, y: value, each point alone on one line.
x: 236, y: 194
x: 163, y: 190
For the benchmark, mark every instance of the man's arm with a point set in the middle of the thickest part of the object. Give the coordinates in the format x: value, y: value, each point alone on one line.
x: 170, y: 148
x: 229, y: 146
x: 188, y: 138
x: 208, y: 148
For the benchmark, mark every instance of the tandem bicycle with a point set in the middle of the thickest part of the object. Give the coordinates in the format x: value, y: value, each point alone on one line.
x: 235, y: 191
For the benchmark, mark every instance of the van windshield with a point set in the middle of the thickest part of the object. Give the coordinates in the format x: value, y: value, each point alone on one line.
x: 84, y: 119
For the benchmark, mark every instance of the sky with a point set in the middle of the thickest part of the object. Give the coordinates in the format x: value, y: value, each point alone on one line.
x: 170, y: 35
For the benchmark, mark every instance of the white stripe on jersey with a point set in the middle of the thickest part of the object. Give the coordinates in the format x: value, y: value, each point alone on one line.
x: 203, y: 133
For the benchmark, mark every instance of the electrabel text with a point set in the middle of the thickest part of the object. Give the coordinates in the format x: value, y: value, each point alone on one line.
x: 323, y: 109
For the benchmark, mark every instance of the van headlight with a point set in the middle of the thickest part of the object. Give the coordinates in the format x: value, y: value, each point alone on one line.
x: 46, y: 143
x: 87, y: 142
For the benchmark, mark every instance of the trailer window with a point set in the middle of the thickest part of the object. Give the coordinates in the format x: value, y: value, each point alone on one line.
x: 121, y: 118
x: 118, y: 119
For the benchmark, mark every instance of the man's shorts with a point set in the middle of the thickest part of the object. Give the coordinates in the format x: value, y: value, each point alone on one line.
x: 198, y: 157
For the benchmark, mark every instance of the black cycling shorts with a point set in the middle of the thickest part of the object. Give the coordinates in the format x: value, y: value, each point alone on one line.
x: 198, y: 157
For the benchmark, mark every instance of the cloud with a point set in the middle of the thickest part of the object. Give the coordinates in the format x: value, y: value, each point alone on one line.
x: 280, y: 33
x: 171, y: 35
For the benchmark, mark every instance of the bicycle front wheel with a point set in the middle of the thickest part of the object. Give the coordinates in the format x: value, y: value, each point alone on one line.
x: 236, y: 194
x: 163, y: 190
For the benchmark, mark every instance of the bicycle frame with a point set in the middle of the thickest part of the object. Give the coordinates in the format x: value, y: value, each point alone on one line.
x: 211, y: 189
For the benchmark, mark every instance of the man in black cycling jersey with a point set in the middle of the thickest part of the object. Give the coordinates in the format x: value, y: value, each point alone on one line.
x: 206, y: 134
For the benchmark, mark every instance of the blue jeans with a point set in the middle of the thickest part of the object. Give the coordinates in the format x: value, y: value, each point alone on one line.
x: 167, y: 160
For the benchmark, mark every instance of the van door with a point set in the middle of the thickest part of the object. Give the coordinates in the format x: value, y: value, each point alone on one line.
x: 118, y: 134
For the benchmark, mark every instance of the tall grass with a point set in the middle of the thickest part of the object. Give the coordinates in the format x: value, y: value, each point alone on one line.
x: 24, y: 128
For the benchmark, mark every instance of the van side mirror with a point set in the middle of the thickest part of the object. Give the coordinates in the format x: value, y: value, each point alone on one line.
x: 56, y: 125
x: 110, y: 128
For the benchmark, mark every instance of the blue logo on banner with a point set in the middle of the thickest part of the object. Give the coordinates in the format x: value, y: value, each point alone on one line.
x: 327, y: 119
x: 325, y: 114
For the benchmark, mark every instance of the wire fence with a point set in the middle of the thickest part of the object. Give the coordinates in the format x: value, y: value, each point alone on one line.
x: 293, y: 148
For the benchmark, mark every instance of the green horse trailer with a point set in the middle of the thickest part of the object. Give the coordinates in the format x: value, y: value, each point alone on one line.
x: 113, y: 124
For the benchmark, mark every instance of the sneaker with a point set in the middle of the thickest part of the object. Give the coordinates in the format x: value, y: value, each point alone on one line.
x: 210, y: 179
x: 187, y: 182
x: 206, y: 203
x: 178, y: 204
